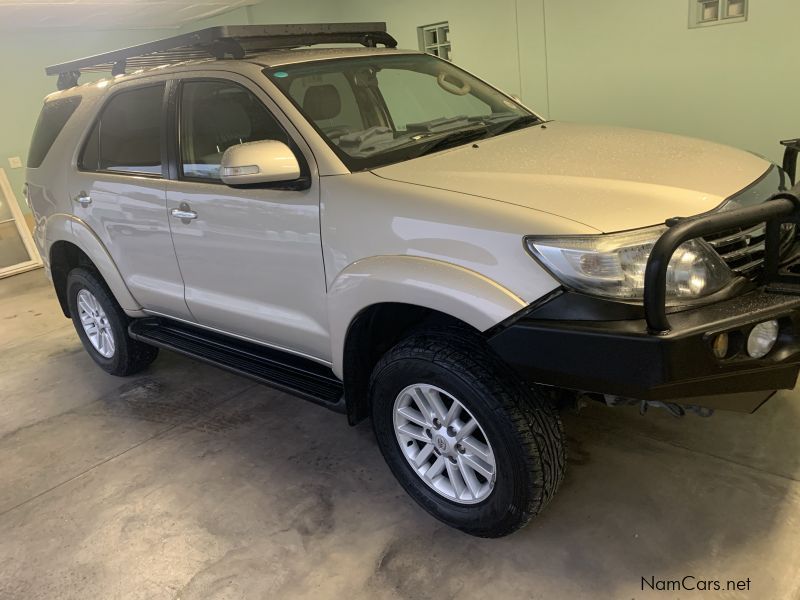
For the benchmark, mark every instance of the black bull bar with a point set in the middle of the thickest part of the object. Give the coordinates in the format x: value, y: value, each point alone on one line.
x: 783, y: 207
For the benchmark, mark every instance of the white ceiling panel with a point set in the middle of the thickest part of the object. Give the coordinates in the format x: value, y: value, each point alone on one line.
x: 109, y: 14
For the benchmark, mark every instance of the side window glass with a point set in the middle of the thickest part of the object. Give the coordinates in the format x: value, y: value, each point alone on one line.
x: 215, y: 115
x: 127, y: 136
x: 52, y: 119
x: 328, y: 100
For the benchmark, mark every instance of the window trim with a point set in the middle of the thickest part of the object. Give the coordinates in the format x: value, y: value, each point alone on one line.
x: 723, y: 18
x: 438, y: 46
x: 174, y: 135
x: 87, y: 134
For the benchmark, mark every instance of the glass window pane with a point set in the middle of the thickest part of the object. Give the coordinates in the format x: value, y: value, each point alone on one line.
x: 52, y: 119
x: 129, y: 132
x: 328, y: 99
x: 216, y: 115
x: 383, y: 109
x: 12, y: 250
x: 415, y: 97
x: 735, y: 8
x: 5, y: 209
x: 709, y: 10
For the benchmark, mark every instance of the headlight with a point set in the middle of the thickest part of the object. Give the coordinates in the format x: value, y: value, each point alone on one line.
x: 612, y: 265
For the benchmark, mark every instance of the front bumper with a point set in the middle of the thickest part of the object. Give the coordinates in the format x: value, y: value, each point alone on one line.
x: 621, y: 358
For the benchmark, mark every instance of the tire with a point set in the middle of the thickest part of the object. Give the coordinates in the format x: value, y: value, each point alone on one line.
x: 126, y: 356
x: 522, y: 430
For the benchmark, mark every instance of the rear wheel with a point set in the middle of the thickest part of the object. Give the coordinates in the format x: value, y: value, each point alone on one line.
x: 471, y: 444
x: 102, y: 325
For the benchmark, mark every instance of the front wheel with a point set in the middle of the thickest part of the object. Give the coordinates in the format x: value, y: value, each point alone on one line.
x: 471, y: 444
x: 102, y: 325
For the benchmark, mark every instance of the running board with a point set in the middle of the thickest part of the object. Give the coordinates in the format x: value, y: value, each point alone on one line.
x: 280, y: 370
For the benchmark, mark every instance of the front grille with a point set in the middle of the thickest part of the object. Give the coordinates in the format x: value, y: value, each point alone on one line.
x: 743, y: 249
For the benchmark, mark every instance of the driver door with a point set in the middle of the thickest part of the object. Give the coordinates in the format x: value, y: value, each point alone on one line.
x: 250, y: 257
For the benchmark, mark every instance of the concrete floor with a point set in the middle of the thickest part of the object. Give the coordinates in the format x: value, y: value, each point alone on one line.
x: 188, y: 482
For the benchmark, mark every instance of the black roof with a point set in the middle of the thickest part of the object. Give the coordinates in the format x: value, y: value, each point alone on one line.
x: 236, y: 41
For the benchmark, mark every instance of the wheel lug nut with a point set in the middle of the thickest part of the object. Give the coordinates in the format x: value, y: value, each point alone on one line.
x: 452, y: 459
x: 428, y: 433
x: 436, y: 424
x: 451, y: 431
x: 460, y: 449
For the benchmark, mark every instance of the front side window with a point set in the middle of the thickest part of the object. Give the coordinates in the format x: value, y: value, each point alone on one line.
x: 127, y: 136
x: 381, y: 109
x: 215, y: 115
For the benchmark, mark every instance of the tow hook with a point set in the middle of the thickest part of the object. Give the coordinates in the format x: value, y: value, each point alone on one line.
x: 673, y: 408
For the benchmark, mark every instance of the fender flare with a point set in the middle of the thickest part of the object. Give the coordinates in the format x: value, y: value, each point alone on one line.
x: 68, y: 228
x: 429, y: 283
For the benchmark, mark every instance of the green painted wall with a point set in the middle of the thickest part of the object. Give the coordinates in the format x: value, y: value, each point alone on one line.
x: 623, y: 62
x: 636, y: 63
x: 485, y: 32
x: 25, y: 54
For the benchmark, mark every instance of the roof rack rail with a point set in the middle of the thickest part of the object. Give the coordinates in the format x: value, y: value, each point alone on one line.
x: 236, y: 41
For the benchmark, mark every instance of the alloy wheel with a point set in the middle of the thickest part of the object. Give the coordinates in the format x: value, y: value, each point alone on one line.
x: 95, y: 323
x: 444, y: 444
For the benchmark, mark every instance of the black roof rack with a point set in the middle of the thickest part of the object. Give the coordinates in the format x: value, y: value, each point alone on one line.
x: 236, y: 41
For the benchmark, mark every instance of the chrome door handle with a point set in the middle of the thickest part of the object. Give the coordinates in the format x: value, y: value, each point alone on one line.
x: 83, y: 199
x: 183, y: 214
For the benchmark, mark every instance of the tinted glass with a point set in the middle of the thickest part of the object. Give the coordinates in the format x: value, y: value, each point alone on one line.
x: 51, y: 121
x: 381, y: 109
x: 216, y: 115
x: 127, y: 136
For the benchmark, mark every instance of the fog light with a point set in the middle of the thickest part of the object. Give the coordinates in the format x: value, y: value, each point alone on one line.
x: 762, y: 338
x: 720, y: 345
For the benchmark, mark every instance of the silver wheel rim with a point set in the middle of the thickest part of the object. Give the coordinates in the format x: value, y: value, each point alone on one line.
x: 444, y: 444
x: 95, y: 323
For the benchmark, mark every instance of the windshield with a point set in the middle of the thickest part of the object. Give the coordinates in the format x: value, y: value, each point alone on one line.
x: 378, y: 110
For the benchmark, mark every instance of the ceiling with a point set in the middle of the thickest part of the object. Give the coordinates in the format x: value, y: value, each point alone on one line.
x: 109, y: 14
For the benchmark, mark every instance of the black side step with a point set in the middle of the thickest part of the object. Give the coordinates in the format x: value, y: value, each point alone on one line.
x: 286, y: 372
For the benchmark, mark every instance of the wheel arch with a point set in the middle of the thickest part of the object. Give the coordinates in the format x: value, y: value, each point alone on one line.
x: 71, y: 244
x: 375, y: 302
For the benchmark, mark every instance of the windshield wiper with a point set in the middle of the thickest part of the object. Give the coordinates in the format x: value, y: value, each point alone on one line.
x: 453, y: 139
x: 518, y: 123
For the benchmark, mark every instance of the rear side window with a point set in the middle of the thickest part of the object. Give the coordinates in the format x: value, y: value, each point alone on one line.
x: 51, y: 121
x: 127, y: 136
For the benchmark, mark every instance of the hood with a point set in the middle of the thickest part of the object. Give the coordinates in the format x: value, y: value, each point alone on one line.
x: 608, y: 178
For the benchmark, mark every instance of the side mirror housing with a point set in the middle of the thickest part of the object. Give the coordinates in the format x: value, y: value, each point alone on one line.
x: 266, y: 161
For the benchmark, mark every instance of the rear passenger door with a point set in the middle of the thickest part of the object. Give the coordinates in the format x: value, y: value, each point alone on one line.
x: 119, y: 191
x: 250, y: 256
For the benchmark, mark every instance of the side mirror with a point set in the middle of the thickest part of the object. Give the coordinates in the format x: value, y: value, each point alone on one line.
x: 267, y: 161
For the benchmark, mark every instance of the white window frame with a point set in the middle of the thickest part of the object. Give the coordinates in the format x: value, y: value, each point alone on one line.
x: 723, y: 10
x: 7, y: 195
x: 442, y: 49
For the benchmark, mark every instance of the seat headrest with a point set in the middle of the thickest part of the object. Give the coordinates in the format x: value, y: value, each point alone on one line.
x: 222, y: 118
x: 322, y: 102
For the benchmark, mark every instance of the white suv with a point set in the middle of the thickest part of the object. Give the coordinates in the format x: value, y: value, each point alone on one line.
x: 383, y: 233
